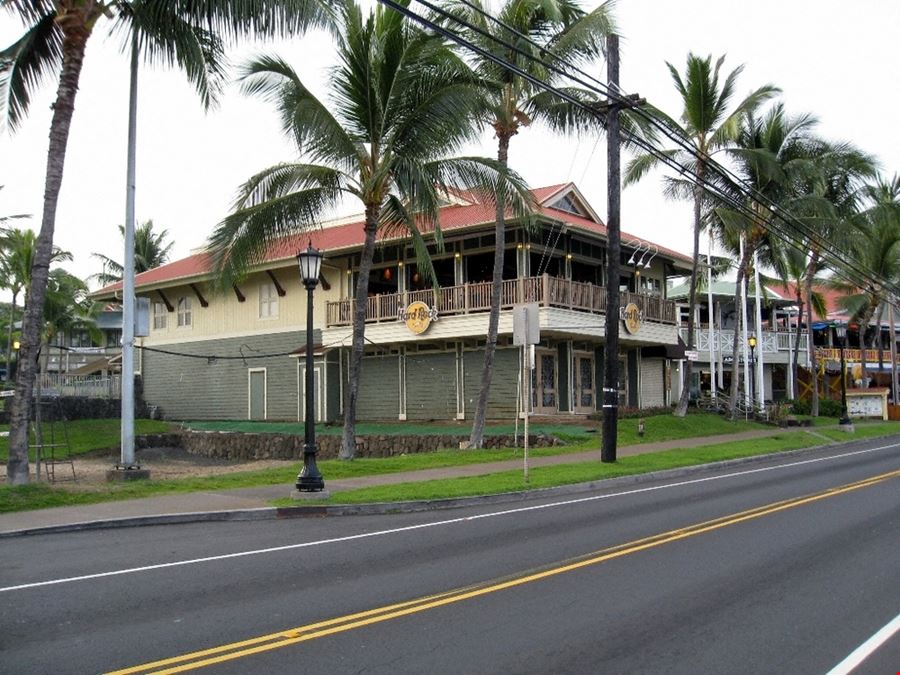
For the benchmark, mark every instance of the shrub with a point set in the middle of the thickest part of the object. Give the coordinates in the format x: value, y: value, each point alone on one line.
x: 829, y: 408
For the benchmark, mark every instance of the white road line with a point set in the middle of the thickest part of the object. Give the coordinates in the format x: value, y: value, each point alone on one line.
x: 440, y: 523
x: 867, y: 648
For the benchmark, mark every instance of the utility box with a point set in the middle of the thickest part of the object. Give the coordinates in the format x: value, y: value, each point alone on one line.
x: 141, y: 317
x: 526, y: 324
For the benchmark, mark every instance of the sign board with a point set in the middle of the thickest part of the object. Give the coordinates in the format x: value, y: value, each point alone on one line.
x: 632, y: 316
x: 142, y: 317
x: 418, y: 316
x: 691, y: 355
x: 526, y: 324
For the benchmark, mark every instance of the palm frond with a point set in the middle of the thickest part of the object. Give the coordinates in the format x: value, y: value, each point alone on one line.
x: 25, y: 64
x: 307, y: 120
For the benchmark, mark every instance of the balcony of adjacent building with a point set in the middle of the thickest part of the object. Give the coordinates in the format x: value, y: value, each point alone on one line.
x: 775, y: 346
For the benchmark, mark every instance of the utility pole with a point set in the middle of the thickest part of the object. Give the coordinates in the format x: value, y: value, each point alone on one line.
x: 613, y: 190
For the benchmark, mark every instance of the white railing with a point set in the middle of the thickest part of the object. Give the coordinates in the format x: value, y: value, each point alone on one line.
x: 81, y: 385
x: 770, y: 343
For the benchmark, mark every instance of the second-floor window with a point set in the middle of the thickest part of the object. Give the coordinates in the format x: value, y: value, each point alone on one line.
x: 160, y: 316
x: 268, y: 301
x: 113, y: 338
x: 184, y: 312
x: 81, y: 338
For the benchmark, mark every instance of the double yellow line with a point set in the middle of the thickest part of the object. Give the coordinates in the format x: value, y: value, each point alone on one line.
x: 292, y: 636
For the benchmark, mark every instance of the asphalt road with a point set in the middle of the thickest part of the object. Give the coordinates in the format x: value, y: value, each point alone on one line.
x: 784, y: 566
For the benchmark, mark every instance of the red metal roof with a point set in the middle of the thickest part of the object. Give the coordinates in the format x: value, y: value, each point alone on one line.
x: 350, y: 235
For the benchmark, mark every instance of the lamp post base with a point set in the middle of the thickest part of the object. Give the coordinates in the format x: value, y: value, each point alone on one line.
x: 310, y: 478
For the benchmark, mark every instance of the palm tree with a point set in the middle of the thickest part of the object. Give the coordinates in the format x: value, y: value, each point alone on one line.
x: 55, y: 38
x: 876, y: 248
x: 16, y: 261
x: 771, y: 153
x: 401, y: 103
x: 792, y: 266
x: 67, y: 308
x: 150, y: 250
x: 512, y: 103
x: 708, y: 125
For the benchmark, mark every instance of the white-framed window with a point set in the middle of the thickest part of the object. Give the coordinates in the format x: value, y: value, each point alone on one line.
x: 184, y: 311
x: 160, y: 316
x: 268, y: 301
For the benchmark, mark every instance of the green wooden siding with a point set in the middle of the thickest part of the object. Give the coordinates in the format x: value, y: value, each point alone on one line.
x: 430, y: 386
x: 379, y: 388
x: 197, y: 387
x: 502, y: 398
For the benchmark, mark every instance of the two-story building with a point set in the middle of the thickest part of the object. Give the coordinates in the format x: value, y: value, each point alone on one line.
x: 234, y: 354
x: 772, y: 356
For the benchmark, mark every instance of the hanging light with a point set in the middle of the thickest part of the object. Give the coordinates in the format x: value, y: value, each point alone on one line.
x: 387, y: 275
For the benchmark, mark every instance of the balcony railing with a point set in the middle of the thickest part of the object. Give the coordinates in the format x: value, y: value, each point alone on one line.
x: 770, y: 342
x: 476, y: 297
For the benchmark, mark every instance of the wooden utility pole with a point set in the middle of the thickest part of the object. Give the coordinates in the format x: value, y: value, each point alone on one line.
x: 614, y: 189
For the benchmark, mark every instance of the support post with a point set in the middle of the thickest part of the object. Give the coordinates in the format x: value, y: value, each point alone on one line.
x: 613, y: 189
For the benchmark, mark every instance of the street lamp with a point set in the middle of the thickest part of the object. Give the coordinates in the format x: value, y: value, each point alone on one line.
x: 310, y: 479
x: 841, y: 332
x: 751, y: 342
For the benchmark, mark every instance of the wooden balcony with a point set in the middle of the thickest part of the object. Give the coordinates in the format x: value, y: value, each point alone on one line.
x: 476, y: 297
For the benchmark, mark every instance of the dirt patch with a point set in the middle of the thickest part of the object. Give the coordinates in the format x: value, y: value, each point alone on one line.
x: 164, y: 464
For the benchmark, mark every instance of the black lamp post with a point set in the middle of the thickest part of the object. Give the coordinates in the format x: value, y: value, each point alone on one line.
x: 751, y: 342
x: 841, y: 332
x: 310, y: 479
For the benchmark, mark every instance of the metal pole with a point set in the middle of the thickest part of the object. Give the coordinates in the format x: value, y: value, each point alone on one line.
x: 613, y: 190
x: 712, y: 344
x: 844, y: 419
x: 526, y: 375
x: 310, y: 479
x: 760, y: 382
x: 128, y: 302
x: 744, y: 327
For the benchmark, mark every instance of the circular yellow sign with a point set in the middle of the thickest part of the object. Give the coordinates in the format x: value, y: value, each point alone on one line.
x: 632, y: 317
x: 418, y: 317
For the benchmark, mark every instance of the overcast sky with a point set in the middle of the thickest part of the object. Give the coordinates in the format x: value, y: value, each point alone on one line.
x: 834, y: 59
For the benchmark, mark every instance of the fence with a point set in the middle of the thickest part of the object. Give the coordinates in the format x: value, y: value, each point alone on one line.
x: 84, y: 386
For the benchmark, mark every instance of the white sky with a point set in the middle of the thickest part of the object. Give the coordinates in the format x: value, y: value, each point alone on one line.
x: 835, y: 60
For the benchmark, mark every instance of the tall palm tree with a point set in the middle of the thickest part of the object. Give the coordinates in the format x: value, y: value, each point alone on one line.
x: 401, y: 104
x: 512, y: 103
x: 876, y: 248
x: 54, y: 42
x: 16, y: 262
x: 67, y: 308
x: 791, y: 264
x: 150, y: 250
x: 771, y: 151
x: 708, y: 124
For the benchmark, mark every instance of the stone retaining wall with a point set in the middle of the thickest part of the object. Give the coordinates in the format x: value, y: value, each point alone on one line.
x: 234, y: 445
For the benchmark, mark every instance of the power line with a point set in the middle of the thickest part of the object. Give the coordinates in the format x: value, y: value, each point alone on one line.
x: 854, y: 274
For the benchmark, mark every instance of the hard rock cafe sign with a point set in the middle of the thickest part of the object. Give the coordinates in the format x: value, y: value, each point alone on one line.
x: 418, y: 316
x: 632, y: 316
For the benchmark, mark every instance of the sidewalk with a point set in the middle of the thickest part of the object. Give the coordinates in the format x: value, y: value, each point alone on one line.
x: 253, y: 503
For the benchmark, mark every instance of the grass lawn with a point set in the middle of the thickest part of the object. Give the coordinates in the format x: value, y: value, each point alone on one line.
x: 657, y: 428
x: 664, y: 427
x: 583, y: 472
x: 89, y: 435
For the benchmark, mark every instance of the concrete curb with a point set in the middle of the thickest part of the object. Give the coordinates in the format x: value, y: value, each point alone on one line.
x: 385, y: 508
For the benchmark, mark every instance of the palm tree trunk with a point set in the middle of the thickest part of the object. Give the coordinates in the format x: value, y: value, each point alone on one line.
x: 864, y: 344
x: 682, y: 407
x: 9, y: 340
x: 348, y: 437
x: 476, y: 439
x: 76, y: 26
x: 799, y: 333
x: 813, y: 366
x: 735, y: 362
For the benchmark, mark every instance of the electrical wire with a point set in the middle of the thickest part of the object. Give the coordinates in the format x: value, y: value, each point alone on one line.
x: 855, y: 274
